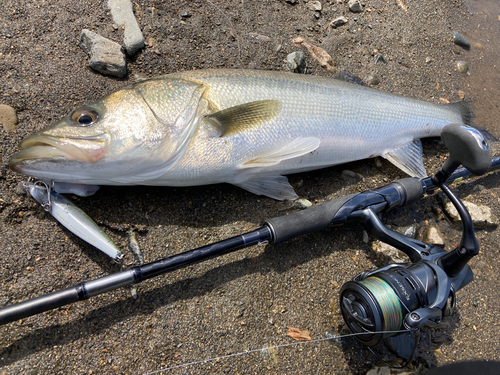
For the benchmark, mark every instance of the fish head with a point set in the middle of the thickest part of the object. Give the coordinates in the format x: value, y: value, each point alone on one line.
x: 131, y: 132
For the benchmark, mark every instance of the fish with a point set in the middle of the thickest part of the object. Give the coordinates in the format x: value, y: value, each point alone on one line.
x: 248, y: 128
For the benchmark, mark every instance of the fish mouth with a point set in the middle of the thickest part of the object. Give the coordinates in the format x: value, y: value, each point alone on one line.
x: 43, y: 147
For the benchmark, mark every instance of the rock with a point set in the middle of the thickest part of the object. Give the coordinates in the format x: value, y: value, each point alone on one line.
x: 365, y: 236
x: 296, y: 62
x: 481, y: 215
x: 386, y: 254
x: 317, y: 53
x: 351, y: 176
x: 378, y: 162
x: 373, y: 79
x: 260, y: 37
x: 106, y: 56
x: 461, y: 95
x: 355, y: 6
x: 292, y: 1
x: 379, y: 59
x: 433, y: 236
x: 123, y: 16
x: 314, y: 5
x: 463, y: 67
x: 460, y: 40
x: 411, y: 231
x: 185, y: 14
x: 428, y: 59
x: 303, y: 203
x: 8, y: 117
x: 339, y: 21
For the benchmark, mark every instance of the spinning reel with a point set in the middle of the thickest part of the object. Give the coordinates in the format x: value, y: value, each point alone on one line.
x: 415, y: 295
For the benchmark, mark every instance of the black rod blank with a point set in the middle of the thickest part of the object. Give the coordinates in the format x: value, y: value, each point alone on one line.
x: 134, y: 275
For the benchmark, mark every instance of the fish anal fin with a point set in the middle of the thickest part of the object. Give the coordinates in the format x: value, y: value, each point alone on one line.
x: 408, y: 158
x: 296, y: 148
x: 244, y: 117
x: 270, y: 185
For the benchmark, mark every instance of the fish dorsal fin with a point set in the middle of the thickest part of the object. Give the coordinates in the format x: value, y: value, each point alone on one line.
x: 296, y: 148
x: 244, y: 116
x: 269, y: 184
x: 408, y: 158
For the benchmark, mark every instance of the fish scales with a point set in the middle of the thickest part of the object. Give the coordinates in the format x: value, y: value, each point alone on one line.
x: 242, y: 127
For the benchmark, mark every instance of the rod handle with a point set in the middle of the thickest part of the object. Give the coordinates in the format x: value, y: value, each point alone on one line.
x: 311, y: 220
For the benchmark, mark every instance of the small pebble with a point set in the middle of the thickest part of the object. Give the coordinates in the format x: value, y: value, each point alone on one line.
x: 373, y: 79
x: 461, y: 95
x: 460, y: 40
x: 8, y: 117
x: 411, y: 231
x: 296, y: 62
x: 365, y: 236
x: 339, y: 21
x: 315, y: 5
x: 351, y: 176
x: 379, y: 59
x: 302, y: 203
x: 355, y: 6
x: 185, y: 14
x: 463, y: 67
x: 433, y: 236
x: 428, y: 59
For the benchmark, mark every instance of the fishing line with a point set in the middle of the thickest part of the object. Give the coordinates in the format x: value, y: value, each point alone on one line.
x: 271, y: 347
x: 388, y: 302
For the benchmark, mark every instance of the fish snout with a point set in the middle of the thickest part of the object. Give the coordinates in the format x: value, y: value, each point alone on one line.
x: 83, y: 148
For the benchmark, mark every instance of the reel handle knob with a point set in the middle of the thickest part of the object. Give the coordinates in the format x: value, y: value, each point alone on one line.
x: 467, y: 147
x: 424, y: 317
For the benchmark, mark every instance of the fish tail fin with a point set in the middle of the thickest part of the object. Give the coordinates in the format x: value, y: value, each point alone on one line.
x: 463, y: 108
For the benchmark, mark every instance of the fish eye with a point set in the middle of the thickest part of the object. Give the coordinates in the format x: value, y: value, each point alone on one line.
x: 85, y: 117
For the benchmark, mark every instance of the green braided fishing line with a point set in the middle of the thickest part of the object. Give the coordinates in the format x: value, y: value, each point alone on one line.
x: 388, y: 302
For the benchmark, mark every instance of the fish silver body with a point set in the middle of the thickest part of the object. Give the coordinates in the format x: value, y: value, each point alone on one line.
x: 243, y: 127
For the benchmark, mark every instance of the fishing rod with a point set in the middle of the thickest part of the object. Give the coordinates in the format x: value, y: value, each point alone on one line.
x: 399, y: 296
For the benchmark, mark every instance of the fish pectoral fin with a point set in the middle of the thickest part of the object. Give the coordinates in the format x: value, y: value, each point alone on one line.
x: 77, y: 189
x: 408, y: 158
x: 244, y: 117
x: 268, y: 184
x: 296, y: 148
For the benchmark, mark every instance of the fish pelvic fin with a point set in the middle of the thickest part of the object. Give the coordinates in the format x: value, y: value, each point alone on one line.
x: 268, y: 184
x: 244, y: 117
x: 463, y: 108
x: 408, y: 158
x: 296, y: 148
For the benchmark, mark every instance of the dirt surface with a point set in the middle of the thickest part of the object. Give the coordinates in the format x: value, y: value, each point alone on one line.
x: 246, y: 300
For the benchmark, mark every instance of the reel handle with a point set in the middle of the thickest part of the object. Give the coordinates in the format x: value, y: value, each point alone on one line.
x: 467, y: 147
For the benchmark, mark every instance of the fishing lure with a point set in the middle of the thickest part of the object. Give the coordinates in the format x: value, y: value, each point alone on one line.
x: 73, y: 218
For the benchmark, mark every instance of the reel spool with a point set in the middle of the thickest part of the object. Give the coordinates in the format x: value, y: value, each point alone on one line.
x: 377, y: 305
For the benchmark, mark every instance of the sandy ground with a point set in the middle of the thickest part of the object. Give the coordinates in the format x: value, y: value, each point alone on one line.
x: 246, y: 300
